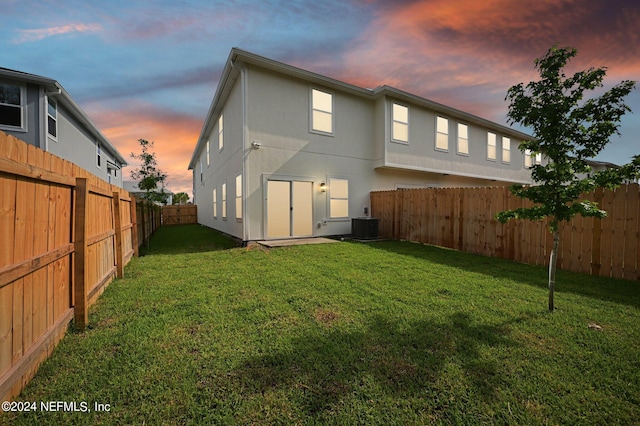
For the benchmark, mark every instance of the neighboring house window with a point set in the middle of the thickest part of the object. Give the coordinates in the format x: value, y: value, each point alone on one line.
x: 224, y: 200
x: 52, y: 118
x: 321, y: 111
x: 463, y: 139
x: 506, y: 150
x: 12, y: 99
x: 339, y: 198
x: 400, y: 119
x: 215, y: 203
x: 491, y: 146
x: 201, y: 173
x: 239, y: 197
x: 442, y: 133
x: 98, y: 155
x: 208, y: 154
x: 530, y: 158
x: 220, y: 132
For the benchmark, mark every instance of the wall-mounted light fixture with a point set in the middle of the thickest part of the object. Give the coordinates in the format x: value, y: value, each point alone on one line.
x: 256, y: 144
x: 323, y: 187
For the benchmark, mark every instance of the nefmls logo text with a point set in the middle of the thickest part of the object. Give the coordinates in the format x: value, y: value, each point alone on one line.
x: 82, y: 406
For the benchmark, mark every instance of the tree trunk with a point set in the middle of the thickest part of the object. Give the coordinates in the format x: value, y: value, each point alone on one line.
x: 552, y: 268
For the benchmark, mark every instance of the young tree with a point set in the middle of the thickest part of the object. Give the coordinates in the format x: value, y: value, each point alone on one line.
x: 181, y: 198
x: 148, y: 175
x: 568, y: 131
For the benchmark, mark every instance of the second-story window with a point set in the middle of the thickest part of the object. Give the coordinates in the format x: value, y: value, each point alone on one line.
x: 463, y: 139
x: 98, y: 155
x: 52, y: 118
x: 400, y: 123
x: 321, y: 111
x: 442, y: 134
x: 11, y: 105
x: 506, y: 149
x: 208, y: 154
x: 491, y: 146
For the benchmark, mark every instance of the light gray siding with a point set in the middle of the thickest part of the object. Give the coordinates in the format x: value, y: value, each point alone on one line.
x: 268, y: 136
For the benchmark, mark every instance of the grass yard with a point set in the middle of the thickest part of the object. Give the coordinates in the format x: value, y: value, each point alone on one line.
x: 386, y: 333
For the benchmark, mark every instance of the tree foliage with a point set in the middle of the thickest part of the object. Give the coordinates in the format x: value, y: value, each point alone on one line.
x: 149, y: 177
x: 568, y: 131
x: 181, y: 198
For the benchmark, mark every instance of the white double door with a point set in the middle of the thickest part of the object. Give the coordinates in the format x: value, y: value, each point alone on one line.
x: 289, y: 209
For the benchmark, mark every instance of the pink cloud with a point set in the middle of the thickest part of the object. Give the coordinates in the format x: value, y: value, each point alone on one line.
x: 42, y: 33
x: 174, y: 136
x: 466, y: 53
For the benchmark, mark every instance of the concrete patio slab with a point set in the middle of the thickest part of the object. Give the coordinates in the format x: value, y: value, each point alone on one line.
x: 296, y: 242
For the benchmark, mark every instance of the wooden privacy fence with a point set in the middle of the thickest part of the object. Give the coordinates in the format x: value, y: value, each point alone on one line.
x: 64, y: 235
x: 180, y: 214
x: 463, y: 219
x: 149, y: 219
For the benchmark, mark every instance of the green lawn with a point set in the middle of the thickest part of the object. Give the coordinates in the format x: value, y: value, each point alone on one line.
x: 382, y: 333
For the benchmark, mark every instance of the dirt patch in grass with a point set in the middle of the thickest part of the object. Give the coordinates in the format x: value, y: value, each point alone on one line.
x: 326, y: 317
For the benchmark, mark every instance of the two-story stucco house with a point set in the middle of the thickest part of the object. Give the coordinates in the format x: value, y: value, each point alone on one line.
x: 39, y: 111
x: 285, y: 152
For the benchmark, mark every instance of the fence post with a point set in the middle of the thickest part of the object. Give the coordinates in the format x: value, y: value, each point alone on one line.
x: 134, y: 222
x: 80, y: 310
x: 117, y: 224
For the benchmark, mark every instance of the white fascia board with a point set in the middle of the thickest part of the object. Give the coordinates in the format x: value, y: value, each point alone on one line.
x: 450, y: 173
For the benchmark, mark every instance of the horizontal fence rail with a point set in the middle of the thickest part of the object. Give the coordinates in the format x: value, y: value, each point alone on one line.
x: 464, y: 219
x: 64, y: 235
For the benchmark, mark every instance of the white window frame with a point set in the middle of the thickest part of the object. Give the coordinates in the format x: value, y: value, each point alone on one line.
x: 334, y: 195
x: 528, y: 159
x: 400, y: 123
x: 461, y: 139
x: 22, y: 106
x: 215, y: 203
x: 208, y: 153
x: 317, y: 109
x: 531, y: 159
x: 492, y: 141
x: 224, y: 201
x: 53, y: 137
x: 221, y: 132
x: 98, y: 155
x: 442, y: 136
x: 506, y: 150
x: 239, y: 198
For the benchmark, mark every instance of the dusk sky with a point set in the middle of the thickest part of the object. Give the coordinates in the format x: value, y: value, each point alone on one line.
x: 149, y: 69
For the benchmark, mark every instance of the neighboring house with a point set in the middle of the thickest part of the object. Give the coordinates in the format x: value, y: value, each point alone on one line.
x: 285, y: 152
x: 39, y: 111
x: 132, y: 188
